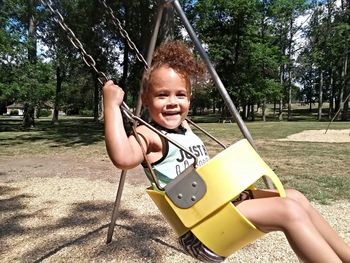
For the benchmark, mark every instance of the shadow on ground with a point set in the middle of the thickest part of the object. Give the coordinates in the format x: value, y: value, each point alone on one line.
x: 34, y: 235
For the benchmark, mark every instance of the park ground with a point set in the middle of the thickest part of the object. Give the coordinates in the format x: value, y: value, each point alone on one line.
x: 57, y: 188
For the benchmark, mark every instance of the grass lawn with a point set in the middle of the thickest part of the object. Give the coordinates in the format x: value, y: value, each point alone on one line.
x: 320, y: 170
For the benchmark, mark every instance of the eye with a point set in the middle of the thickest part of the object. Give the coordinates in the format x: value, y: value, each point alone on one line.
x: 161, y: 95
x: 182, y: 95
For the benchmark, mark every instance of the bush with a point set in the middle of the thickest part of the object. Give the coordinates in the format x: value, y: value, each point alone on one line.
x: 86, y: 113
x: 43, y: 113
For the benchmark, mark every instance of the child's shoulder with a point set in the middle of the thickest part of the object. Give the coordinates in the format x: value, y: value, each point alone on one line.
x: 145, y: 131
x: 151, y: 137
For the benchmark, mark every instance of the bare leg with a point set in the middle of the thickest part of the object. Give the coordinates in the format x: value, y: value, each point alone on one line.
x: 285, y: 214
x: 331, y: 237
x: 327, y: 232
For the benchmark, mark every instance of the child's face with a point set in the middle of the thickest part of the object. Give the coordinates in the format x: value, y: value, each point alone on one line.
x: 168, y: 98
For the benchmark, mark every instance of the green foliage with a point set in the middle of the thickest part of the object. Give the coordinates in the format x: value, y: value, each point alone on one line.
x: 86, y: 113
x: 251, y: 44
x: 27, y: 82
x: 43, y: 113
x: 201, y: 99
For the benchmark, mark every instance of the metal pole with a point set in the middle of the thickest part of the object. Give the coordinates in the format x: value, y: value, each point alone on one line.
x: 151, y: 48
x: 213, y: 73
x: 137, y: 113
x: 116, y: 206
x: 153, y: 41
x: 217, y: 80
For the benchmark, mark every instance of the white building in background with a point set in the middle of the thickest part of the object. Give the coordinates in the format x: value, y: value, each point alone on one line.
x: 15, y: 107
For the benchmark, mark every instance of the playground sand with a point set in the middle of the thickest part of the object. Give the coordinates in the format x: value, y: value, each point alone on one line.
x: 52, y: 211
x: 57, y: 209
x: 66, y: 219
x: 331, y: 136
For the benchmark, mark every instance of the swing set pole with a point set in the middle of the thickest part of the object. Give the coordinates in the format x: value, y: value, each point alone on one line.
x: 116, y: 206
x: 137, y: 113
x: 213, y: 73
x: 217, y: 80
x: 150, y: 51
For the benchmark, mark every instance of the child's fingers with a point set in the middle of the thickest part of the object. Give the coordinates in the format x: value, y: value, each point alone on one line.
x: 109, y: 83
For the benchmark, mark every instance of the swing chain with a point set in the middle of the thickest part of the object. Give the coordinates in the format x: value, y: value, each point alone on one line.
x: 116, y: 22
x: 88, y: 59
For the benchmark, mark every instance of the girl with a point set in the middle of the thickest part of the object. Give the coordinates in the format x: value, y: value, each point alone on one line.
x: 166, y: 94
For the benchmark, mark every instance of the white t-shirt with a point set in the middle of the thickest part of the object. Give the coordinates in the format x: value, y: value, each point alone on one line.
x: 175, y: 160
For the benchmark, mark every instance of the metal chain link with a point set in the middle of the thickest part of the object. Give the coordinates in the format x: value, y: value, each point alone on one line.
x: 116, y: 22
x: 88, y: 59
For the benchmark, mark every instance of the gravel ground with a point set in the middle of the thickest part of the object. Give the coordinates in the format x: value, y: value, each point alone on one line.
x: 331, y: 136
x: 59, y: 210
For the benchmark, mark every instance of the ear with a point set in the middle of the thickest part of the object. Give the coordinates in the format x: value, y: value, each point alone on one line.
x: 144, y: 100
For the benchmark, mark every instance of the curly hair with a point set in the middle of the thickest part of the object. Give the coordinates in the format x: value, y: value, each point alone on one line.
x: 178, y: 56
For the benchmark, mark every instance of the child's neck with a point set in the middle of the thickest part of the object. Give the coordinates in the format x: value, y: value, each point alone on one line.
x: 179, y: 129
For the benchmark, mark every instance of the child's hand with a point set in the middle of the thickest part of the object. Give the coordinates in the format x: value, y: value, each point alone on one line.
x: 112, y: 93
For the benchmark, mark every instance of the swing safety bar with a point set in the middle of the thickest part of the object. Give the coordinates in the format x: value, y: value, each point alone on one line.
x: 133, y: 118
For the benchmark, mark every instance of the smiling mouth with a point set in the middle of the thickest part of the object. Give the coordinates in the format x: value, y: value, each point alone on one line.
x: 171, y: 113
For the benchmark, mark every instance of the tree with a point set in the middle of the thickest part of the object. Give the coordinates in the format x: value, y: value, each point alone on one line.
x: 27, y: 79
x: 285, y: 13
x: 326, y: 55
x: 229, y: 50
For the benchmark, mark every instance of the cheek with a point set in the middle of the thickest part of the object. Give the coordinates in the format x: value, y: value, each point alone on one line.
x: 187, y: 103
x: 156, y: 106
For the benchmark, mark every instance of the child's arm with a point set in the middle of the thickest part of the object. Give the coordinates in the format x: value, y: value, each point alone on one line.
x: 124, y: 151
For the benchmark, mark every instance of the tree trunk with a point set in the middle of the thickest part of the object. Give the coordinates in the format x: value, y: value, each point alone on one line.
x: 57, y: 97
x: 263, y: 110
x: 289, y: 68
x: 28, y: 113
x: 252, y: 113
x: 245, y: 111
x: 280, y: 109
x: 331, y: 97
x: 97, y: 100
x: 320, y: 98
x: 343, y: 89
x: 166, y: 32
x: 289, y: 97
x: 214, y: 105
x: 123, y: 79
x: 346, y: 114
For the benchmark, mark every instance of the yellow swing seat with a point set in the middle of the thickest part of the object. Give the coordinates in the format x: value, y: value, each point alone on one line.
x: 214, y: 219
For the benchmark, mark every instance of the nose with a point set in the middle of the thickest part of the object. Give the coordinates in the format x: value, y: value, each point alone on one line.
x: 172, y: 100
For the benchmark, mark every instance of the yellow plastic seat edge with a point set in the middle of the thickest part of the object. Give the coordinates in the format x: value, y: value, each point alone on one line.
x: 226, y: 175
x: 158, y: 198
x: 227, y: 230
